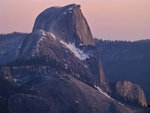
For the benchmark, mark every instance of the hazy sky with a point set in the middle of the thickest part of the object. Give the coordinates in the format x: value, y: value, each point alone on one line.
x: 108, y: 19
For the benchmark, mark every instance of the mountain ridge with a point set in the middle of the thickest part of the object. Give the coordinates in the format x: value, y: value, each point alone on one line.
x: 47, y: 68
x: 56, y: 21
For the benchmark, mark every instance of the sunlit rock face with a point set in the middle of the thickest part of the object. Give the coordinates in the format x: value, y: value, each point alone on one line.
x: 130, y: 92
x: 67, y: 23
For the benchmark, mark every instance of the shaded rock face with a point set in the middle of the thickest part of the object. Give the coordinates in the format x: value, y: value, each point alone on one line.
x: 129, y: 92
x: 23, y: 103
x: 43, y: 45
x: 67, y: 23
x: 47, y: 91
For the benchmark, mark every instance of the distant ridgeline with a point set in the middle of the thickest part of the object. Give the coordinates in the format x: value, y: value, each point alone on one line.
x: 126, y: 60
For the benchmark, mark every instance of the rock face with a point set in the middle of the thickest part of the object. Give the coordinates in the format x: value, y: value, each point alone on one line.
x: 69, y: 25
x: 66, y: 23
x: 46, y: 89
x: 130, y: 93
x: 57, y: 60
x: 22, y: 103
x: 44, y: 45
x: 104, y: 83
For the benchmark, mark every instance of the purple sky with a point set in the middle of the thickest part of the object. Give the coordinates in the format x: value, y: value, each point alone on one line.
x: 108, y: 19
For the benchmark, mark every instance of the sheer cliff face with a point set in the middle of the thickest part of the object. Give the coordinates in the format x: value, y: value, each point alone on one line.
x: 104, y: 83
x: 67, y: 23
x: 130, y: 93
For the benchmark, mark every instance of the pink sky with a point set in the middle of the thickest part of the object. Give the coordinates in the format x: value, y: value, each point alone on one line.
x: 108, y: 19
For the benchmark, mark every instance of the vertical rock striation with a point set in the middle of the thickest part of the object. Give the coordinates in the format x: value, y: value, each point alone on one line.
x: 66, y: 23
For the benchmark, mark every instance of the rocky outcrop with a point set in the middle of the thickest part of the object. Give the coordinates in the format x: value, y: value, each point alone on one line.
x: 130, y: 93
x: 66, y: 23
x: 56, y: 30
x: 69, y: 25
x: 48, y: 91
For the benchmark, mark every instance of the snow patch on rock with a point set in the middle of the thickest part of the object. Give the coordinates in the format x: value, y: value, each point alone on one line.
x: 70, y: 9
x: 104, y: 93
x: 15, y: 80
x: 86, y: 66
x: 38, y: 43
x: 53, y: 36
x: 77, y: 52
x: 100, y: 90
x: 43, y: 33
x: 41, y: 39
